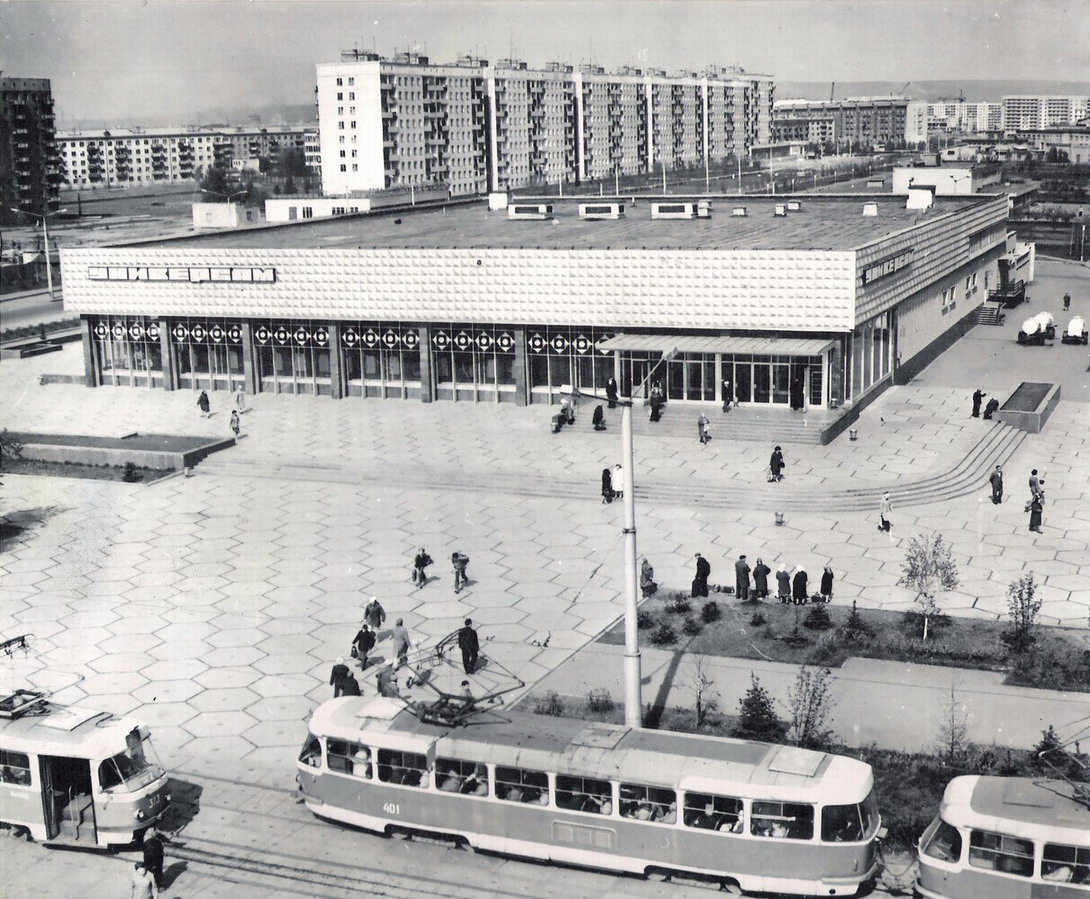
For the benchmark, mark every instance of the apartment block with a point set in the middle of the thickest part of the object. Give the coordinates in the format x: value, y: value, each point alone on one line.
x: 1023, y: 113
x: 858, y: 120
x: 29, y: 165
x: 475, y: 126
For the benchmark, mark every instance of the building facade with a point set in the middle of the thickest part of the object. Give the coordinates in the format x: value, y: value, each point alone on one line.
x: 819, y: 302
x: 29, y: 165
x: 478, y: 127
x: 860, y: 121
x: 123, y: 156
x: 1027, y: 113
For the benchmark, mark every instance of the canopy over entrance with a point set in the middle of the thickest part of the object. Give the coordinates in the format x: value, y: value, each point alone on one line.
x: 666, y: 343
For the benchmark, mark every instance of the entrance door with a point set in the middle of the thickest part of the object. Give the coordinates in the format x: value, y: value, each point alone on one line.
x: 67, y: 798
x: 762, y: 382
x: 633, y: 373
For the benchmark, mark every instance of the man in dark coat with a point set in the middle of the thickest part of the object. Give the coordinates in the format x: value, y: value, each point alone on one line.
x: 152, y: 847
x: 350, y: 686
x: 798, y: 585
x: 470, y: 646
x: 776, y: 464
x: 611, y: 393
x: 421, y: 561
x: 978, y: 398
x: 741, y: 578
x: 760, y: 579
x: 703, y: 572
x: 337, y: 677
x: 990, y: 409
x: 364, y: 643
x: 728, y: 394
x: 783, y: 583
x: 598, y: 419
x: 997, y: 485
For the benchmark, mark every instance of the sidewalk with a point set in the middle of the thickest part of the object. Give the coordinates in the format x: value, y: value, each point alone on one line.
x: 891, y: 705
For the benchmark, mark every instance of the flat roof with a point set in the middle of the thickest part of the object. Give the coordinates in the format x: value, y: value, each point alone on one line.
x: 824, y: 222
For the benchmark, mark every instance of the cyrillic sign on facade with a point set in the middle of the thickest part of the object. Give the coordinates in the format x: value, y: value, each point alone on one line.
x: 175, y: 273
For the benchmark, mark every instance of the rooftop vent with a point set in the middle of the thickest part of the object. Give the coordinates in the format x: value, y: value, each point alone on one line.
x: 781, y: 209
x: 686, y: 210
x: 530, y: 211
x: 793, y: 205
x: 600, y: 211
x: 920, y: 196
x: 870, y: 210
x: 738, y: 210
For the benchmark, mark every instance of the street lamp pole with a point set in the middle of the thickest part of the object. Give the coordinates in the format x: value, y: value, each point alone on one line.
x: 45, y: 241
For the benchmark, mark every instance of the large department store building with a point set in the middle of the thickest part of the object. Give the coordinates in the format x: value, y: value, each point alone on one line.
x: 821, y: 299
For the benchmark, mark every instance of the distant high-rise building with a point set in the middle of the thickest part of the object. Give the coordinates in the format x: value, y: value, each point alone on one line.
x: 29, y: 164
x: 861, y: 121
x: 1025, y: 112
x: 476, y: 127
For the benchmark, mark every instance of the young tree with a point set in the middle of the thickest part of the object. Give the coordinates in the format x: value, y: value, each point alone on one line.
x: 701, y: 687
x: 1023, y: 606
x: 953, y: 730
x: 810, y: 702
x: 929, y: 569
x: 757, y: 718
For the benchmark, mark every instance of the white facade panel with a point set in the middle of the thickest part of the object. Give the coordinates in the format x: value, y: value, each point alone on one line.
x: 350, y: 127
x: 797, y: 291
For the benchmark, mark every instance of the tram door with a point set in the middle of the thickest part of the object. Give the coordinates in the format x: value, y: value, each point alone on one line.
x: 66, y: 797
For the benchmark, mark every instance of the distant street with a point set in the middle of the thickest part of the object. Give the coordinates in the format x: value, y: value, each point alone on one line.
x: 31, y: 309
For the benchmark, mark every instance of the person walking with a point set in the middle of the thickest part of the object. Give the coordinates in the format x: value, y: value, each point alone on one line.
x: 798, y: 586
x: 420, y: 562
x: 401, y: 643
x: 616, y: 480
x: 152, y: 848
x: 648, y: 587
x: 607, y: 485
x: 1067, y: 301
x: 1034, y: 483
x: 726, y: 389
x: 350, y: 686
x: 776, y: 465
x: 598, y: 419
x: 459, y: 561
x: 703, y: 572
x: 760, y: 579
x: 240, y: 400
x: 703, y: 428
x: 470, y: 646
x: 203, y: 404
x: 374, y: 614
x: 783, y: 584
x: 1036, y: 507
x: 363, y: 643
x: 611, y: 393
x: 143, y: 884
x: 996, y: 481
x: 978, y: 398
x: 827, y: 583
x: 741, y: 578
x: 337, y: 677
x: 235, y: 425
x: 885, y: 508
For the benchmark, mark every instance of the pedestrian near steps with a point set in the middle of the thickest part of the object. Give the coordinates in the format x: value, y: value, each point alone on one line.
x: 1035, y: 509
x: 996, y: 481
x: 703, y: 572
x: 991, y: 408
x: 776, y: 465
x: 236, y: 428
x: 978, y: 398
x: 703, y: 429
x: 885, y: 509
x: 401, y: 643
x: 203, y: 404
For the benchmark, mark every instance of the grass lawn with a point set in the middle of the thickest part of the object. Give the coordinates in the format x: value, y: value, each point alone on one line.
x: 78, y: 470
x: 1058, y: 660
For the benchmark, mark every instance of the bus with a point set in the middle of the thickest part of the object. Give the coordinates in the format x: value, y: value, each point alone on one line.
x: 753, y: 816
x: 1007, y: 838
x: 72, y: 776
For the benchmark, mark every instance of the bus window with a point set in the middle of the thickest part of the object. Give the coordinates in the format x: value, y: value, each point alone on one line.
x: 710, y: 812
x: 406, y: 768
x: 1066, y: 864
x: 522, y: 785
x: 943, y: 842
x: 782, y: 820
x: 584, y: 794
x: 997, y: 852
x: 311, y: 754
x: 349, y: 758
x: 841, y: 824
x: 15, y: 768
x: 644, y: 803
x: 458, y: 776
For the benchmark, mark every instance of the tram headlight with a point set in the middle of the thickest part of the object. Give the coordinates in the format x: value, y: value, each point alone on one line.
x: 168, y: 797
x: 139, y: 815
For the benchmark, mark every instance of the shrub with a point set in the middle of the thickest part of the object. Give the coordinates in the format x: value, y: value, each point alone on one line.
x: 549, y: 704
x: 692, y: 627
x: 757, y: 619
x: 757, y: 718
x: 710, y: 612
x: 855, y: 631
x: 663, y: 635
x: 1023, y: 606
x: 680, y: 605
x: 817, y: 619
x: 131, y: 476
x: 644, y: 619
x: 599, y: 700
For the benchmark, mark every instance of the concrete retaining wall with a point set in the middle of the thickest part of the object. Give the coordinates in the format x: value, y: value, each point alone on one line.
x: 95, y: 455
x: 1032, y: 422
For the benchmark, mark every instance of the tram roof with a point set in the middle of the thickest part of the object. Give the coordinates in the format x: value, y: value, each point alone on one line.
x: 593, y: 749
x: 66, y: 730
x: 1004, y: 803
x: 823, y: 222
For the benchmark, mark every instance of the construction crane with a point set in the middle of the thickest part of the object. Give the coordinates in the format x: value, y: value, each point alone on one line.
x: 832, y: 90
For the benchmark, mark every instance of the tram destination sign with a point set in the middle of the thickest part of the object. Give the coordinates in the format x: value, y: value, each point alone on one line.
x: 191, y: 274
x: 887, y: 266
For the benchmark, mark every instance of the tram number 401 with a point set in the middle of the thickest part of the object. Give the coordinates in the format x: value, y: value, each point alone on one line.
x: 391, y: 808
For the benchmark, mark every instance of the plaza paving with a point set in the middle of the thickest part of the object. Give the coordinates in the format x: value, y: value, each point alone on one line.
x: 214, y: 606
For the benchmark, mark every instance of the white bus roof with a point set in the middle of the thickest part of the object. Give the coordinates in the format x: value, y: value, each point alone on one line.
x: 606, y: 751
x: 67, y: 731
x: 1031, y: 808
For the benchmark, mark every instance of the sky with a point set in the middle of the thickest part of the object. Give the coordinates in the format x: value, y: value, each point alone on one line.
x: 127, y: 61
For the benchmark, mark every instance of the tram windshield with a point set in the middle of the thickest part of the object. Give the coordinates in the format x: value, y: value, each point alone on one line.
x: 134, y: 768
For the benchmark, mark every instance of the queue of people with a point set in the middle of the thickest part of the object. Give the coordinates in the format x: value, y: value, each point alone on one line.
x: 792, y: 584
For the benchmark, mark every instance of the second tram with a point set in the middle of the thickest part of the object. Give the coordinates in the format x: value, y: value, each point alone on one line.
x: 756, y: 816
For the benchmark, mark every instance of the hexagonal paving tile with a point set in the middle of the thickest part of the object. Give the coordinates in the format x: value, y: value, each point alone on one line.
x: 167, y: 691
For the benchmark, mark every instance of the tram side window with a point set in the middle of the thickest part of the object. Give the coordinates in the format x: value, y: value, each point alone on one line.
x: 584, y: 794
x: 522, y: 785
x: 349, y: 758
x: 645, y: 803
x: 15, y: 768
x: 944, y: 843
x: 782, y: 820
x: 406, y: 768
x: 311, y: 753
x: 710, y: 812
x: 459, y: 776
x: 841, y: 824
x: 997, y: 852
x: 1065, y: 864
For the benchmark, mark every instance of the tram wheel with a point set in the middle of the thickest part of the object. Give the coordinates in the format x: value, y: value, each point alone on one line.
x: 399, y: 833
x: 659, y: 875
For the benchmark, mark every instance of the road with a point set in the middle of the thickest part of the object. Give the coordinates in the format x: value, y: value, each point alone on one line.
x: 31, y: 309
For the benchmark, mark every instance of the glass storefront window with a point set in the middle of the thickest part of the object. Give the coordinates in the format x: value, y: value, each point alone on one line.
x: 126, y: 350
